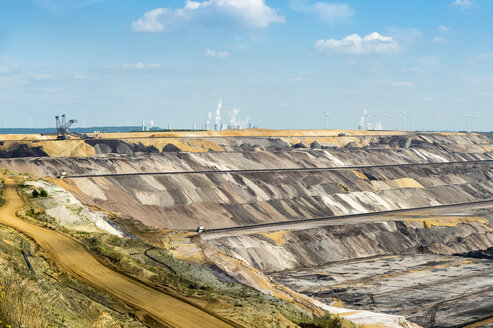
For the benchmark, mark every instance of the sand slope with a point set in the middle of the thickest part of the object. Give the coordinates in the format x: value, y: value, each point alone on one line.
x: 72, y: 256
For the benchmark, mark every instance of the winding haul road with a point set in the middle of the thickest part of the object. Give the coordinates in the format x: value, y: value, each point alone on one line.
x: 72, y: 257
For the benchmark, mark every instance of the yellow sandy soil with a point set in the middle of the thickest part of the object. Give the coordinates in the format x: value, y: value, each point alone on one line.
x: 446, y: 221
x: 191, y: 141
x: 406, y: 183
x: 191, y: 145
x: 395, y: 184
x: 481, y: 323
x: 359, y: 174
x: 277, y: 236
x: 337, y: 302
x: 227, y: 133
x: 71, y: 256
x: 66, y: 148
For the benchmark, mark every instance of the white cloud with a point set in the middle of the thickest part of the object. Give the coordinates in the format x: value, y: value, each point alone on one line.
x: 429, y: 99
x: 402, y: 84
x: 355, y: 91
x: 411, y: 69
x: 330, y: 13
x: 480, y: 78
x: 43, y: 77
x: 438, y: 39
x: 483, y: 56
x: 300, y: 79
x: 4, y: 70
x: 139, y: 65
x: 404, y: 35
x: 443, y: 28
x: 486, y: 93
x: 429, y: 64
x: 216, y: 54
x: 211, y: 13
x: 150, y: 21
x: 462, y: 4
x: 79, y: 77
x: 356, y: 45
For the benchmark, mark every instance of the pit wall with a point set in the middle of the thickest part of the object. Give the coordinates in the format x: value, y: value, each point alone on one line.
x: 289, y: 250
x: 247, y: 140
x: 186, y: 201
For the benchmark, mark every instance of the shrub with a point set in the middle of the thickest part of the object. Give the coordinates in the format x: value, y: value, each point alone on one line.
x: 35, y: 193
x: 43, y: 193
x: 343, y: 187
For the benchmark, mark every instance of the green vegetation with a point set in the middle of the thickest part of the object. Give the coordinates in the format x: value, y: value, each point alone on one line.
x: 189, y: 281
x: 2, y: 201
x: 199, y: 285
x: 344, y: 188
x: 39, y: 193
x: 48, y: 298
x: 326, y: 322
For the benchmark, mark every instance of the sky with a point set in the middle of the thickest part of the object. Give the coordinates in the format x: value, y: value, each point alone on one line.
x: 415, y: 64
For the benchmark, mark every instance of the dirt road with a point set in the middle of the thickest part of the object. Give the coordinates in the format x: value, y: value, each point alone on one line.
x: 71, y: 256
x: 462, y: 209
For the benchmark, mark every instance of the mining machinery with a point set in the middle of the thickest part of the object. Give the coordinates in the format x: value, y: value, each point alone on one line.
x: 62, y: 129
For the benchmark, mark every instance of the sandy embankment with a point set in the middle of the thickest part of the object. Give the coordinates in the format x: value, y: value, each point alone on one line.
x: 73, y: 257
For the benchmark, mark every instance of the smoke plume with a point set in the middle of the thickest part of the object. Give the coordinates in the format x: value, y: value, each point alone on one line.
x: 363, y: 119
x: 234, y: 114
x: 208, y: 122
x: 218, y: 112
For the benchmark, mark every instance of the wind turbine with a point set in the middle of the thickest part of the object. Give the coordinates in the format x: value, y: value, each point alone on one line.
x: 404, y: 115
x: 439, y: 117
x: 385, y: 121
x: 476, y: 117
x: 327, y: 120
x: 468, y: 116
x: 412, y: 121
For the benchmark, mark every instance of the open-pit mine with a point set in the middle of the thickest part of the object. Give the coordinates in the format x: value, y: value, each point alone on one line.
x: 249, y: 228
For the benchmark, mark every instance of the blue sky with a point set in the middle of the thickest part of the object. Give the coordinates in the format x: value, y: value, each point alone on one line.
x: 279, y: 64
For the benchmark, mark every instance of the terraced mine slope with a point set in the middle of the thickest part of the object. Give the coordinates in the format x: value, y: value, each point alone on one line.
x: 73, y: 257
x: 372, y: 220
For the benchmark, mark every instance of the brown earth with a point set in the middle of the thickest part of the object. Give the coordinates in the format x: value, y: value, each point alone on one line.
x: 71, y: 256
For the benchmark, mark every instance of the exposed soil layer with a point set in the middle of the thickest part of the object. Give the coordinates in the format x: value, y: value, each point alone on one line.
x: 212, y: 200
x: 400, y: 264
x: 288, y: 250
x: 74, y: 258
x: 248, y: 140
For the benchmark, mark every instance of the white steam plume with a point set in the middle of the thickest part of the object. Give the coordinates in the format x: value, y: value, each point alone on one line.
x: 244, y: 124
x: 232, y: 121
x: 362, y: 120
x: 218, y: 112
x: 208, y: 122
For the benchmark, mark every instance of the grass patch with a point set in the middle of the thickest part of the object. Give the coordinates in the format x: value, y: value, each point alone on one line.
x: 344, y: 188
x: 193, y: 282
x: 329, y: 321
